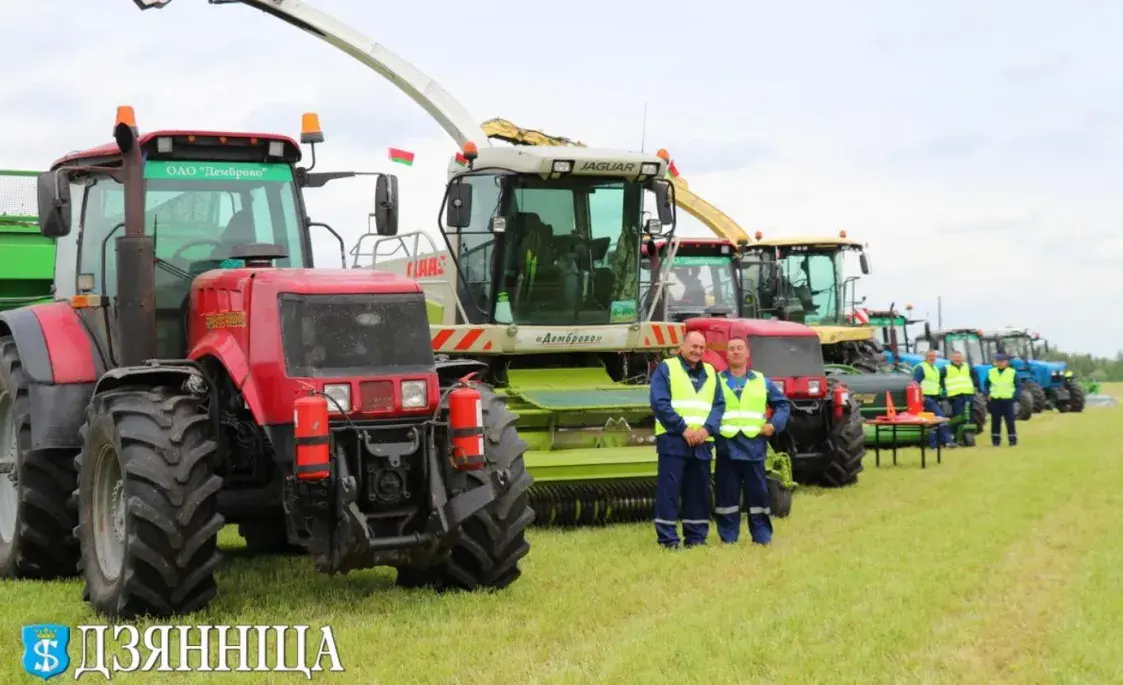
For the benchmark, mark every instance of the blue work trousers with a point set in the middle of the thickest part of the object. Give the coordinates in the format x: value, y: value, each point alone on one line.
x: 960, y: 404
x: 684, y: 479
x: 740, y: 480
x: 999, y: 410
x: 943, y: 433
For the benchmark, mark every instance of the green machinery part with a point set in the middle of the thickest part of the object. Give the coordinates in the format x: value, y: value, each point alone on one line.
x: 27, y: 259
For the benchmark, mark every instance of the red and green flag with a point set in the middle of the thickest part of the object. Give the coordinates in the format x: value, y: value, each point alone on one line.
x: 461, y: 160
x: 672, y: 170
x: 401, y: 156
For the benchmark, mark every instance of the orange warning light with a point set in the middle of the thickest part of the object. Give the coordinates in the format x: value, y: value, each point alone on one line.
x: 663, y: 155
x: 310, y: 131
x: 126, y: 116
x: 470, y: 150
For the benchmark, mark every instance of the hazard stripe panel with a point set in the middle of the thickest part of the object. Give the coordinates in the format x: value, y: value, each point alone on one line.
x: 461, y: 339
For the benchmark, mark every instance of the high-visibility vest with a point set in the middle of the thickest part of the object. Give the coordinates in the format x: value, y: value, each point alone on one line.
x: 692, y: 405
x: 958, y: 380
x: 745, y: 414
x: 930, y: 386
x: 1001, y: 383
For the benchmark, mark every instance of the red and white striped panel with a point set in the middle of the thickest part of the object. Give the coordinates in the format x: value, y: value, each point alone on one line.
x: 860, y: 317
x: 663, y: 335
x: 461, y: 339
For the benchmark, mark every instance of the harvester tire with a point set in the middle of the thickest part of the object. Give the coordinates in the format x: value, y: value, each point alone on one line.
x: 980, y: 414
x: 847, y: 445
x: 490, y: 544
x: 1023, y: 406
x: 36, y: 516
x: 148, y: 518
x: 267, y: 537
x: 780, y: 499
x: 1039, y: 399
x: 1076, y: 397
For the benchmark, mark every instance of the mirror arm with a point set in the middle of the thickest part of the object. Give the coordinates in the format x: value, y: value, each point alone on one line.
x: 342, y: 248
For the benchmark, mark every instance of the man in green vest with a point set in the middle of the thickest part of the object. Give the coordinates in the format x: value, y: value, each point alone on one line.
x: 743, y: 445
x: 1002, y: 387
x: 959, y: 384
x: 687, y: 402
x: 931, y: 380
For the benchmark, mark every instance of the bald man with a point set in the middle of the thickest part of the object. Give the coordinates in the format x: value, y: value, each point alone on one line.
x: 688, y: 403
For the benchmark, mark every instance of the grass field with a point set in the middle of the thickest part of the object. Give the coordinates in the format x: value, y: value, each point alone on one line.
x: 997, y: 566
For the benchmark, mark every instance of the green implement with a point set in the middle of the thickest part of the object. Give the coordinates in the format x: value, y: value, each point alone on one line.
x: 27, y: 259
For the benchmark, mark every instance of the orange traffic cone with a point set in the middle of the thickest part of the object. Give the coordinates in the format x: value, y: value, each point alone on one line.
x: 890, y: 410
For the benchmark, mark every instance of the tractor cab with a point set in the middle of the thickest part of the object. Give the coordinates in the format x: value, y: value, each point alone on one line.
x: 1052, y: 384
x: 699, y: 278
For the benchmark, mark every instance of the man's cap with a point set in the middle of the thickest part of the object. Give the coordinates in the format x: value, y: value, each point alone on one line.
x: 1001, y: 357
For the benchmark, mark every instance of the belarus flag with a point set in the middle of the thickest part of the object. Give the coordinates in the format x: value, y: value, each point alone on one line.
x: 401, y: 156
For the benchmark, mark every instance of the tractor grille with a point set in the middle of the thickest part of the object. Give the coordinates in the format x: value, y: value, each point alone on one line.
x: 355, y: 335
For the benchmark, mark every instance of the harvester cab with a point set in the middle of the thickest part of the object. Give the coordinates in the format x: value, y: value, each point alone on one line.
x: 1052, y: 384
x: 26, y: 256
x: 809, y: 284
x: 195, y: 371
x: 538, y: 278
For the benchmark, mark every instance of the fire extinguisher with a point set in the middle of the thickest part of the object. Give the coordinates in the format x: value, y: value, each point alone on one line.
x: 466, y: 426
x: 913, y: 399
x: 839, y: 399
x: 310, y: 430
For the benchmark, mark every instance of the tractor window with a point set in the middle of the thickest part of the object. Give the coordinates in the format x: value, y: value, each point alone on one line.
x: 812, y: 277
x: 968, y: 345
x: 698, y: 281
x: 1017, y: 346
x: 758, y: 283
x: 474, y: 256
x: 572, y: 250
x: 197, y: 212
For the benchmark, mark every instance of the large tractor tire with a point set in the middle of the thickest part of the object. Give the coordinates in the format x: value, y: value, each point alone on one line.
x: 1023, y: 406
x: 1076, y: 397
x: 847, y: 444
x: 780, y: 499
x: 980, y: 416
x: 36, y: 517
x: 148, y: 518
x: 1039, y: 399
x: 267, y: 536
x: 490, y: 543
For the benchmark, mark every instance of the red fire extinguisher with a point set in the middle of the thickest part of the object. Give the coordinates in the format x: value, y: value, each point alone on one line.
x: 466, y: 427
x: 913, y: 399
x: 839, y: 399
x: 310, y: 430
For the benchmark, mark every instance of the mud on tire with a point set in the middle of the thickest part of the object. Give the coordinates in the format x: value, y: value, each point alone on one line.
x: 490, y: 543
x: 847, y: 445
x: 146, y: 480
x: 36, y: 516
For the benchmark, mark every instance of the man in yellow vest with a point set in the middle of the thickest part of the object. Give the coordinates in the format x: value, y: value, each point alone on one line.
x: 959, y: 384
x: 687, y: 401
x: 931, y: 380
x: 1002, y: 387
x: 743, y: 445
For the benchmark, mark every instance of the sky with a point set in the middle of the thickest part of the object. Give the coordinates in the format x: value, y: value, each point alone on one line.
x: 976, y: 147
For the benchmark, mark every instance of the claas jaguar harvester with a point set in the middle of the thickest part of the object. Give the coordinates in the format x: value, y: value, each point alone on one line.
x: 194, y: 372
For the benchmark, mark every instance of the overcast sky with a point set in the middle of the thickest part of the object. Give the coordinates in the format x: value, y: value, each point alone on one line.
x: 977, y: 147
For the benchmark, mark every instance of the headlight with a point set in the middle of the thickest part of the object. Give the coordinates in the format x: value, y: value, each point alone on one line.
x: 562, y: 166
x: 415, y: 394
x: 813, y: 387
x: 341, y: 394
x: 649, y: 169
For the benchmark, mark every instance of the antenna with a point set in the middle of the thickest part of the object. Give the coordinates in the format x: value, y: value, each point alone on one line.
x: 643, y: 134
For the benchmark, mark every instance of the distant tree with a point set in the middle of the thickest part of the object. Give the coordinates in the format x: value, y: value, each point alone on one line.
x: 1101, y: 369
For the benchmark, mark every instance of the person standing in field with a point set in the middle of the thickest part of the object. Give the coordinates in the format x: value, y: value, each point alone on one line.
x: 959, y: 384
x: 1002, y: 387
x: 743, y: 445
x: 931, y: 380
x: 688, y: 403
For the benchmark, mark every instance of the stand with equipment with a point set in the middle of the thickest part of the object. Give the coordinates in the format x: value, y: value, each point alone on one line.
x: 913, y: 418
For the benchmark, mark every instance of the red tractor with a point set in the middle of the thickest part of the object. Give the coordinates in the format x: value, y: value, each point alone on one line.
x: 198, y: 372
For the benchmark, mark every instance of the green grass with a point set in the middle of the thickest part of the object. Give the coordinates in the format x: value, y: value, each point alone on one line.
x: 997, y: 566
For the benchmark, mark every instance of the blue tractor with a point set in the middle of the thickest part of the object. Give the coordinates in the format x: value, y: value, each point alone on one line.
x: 1052, y: 385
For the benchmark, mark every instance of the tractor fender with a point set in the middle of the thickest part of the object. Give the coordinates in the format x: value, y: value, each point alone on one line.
x: 60, y: 359
x: 223, y: 348
x: 152, y: 375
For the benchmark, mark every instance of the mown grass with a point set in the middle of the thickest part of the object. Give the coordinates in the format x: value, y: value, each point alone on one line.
x: 997, y: 566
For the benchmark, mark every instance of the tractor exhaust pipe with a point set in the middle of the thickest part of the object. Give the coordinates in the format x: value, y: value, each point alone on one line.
x: 136, y: 261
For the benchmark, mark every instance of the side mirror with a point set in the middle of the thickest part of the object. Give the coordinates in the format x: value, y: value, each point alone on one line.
x: 54, y: 204
x: 458, y: 207
x: 864, y: 262
x: 927, y: 332
x: 664, y: 202
x: 386, y: 205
